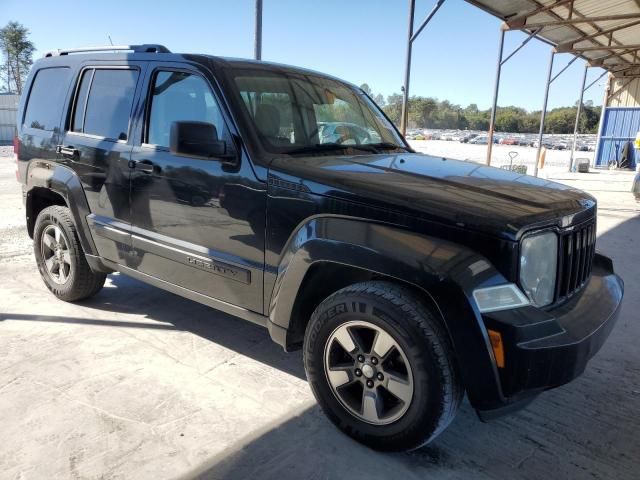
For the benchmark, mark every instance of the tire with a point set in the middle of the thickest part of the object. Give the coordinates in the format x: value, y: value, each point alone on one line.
x: 73, y: 279
x: 420, y: 341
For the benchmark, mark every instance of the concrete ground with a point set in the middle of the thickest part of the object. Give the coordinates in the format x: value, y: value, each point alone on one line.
x: 139, y: 383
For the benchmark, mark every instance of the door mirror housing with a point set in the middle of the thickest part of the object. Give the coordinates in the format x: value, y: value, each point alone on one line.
x: 197, y: 139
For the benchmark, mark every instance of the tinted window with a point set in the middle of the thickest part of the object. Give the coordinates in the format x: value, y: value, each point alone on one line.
x: 294, y: 113
x: 46, y: 99
x: 179, y: 96
x: 110, y: 101
x: 81, y: 101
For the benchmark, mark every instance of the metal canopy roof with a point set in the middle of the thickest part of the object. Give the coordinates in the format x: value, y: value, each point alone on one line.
x: 606, y: 33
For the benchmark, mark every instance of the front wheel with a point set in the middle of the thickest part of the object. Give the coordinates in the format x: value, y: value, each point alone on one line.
x: 381, y: 366
x: 60, y: 258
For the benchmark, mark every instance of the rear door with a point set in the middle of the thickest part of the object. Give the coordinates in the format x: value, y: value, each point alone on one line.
x: 197, y: 223
x: 97, y: 145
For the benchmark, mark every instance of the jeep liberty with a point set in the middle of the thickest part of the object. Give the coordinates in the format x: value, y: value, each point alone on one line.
x: 287, y: 198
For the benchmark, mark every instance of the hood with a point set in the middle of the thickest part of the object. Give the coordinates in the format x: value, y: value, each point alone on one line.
x: 462, y: 194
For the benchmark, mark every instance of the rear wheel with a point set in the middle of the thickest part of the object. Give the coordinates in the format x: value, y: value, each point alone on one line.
x: 60, y: 258
x: 381, y: 366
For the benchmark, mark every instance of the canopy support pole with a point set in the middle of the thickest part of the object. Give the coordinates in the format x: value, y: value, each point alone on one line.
x: 496, y: 88
x: 543, y: 114
x: 494, y: 105
x: 579, y: 110
x: 258, y: 32
x: 605, y: 104
x: 407, y: 72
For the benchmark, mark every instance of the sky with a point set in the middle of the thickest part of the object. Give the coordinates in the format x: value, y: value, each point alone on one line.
x: 362, y: 41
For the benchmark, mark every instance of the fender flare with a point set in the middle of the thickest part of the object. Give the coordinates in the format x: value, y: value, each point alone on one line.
x: 446, y: 272
x: 65, y: 182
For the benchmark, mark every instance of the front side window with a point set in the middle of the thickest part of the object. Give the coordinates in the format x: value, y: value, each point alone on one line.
x: 107, y: 110
x: 46, y: 98
x: 180, y: 96
x: 297, y: 113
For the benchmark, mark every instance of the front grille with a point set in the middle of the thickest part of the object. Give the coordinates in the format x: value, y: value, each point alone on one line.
x: 576, y: 249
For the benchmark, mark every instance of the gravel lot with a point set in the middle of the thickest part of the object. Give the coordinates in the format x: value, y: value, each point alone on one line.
x: 139, y: 383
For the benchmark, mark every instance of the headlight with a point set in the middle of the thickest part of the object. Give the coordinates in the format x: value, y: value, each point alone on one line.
x: 538, y: 266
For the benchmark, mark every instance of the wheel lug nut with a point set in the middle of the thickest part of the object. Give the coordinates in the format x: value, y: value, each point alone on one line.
x: 358, y: 372
x: 374, y: 360
x: 380, y: 376
x: 361, y: 358
x: 370, y: 383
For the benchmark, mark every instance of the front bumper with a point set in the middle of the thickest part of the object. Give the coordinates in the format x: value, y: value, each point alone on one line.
x: 548, y: 348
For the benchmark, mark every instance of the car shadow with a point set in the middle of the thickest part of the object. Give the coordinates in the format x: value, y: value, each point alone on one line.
x: 161, y: 310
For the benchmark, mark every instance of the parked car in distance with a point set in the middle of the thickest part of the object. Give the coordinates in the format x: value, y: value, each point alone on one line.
x: 509, y: 141
x: 467, y: 137
x: 407, y: 280
x: 483, y: 140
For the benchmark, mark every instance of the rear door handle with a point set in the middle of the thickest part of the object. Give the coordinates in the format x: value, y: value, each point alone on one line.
x: 143, y: 167
x: 68, y: 151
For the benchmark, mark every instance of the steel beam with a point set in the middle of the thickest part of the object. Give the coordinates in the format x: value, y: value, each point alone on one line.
x: 579, y: 110
x: 494, y: 105
x: 519, y: 22
x: 407, y: 71
x: 568, y: 46
x: 258, y: 32
x: 605, y: 104
x: 563, y: 69
x: 596, y: 62
x: 543, y: 114
x: 631, y: 47
x: 427, y: 19
x: 595, y: 81
x: 573, y: 21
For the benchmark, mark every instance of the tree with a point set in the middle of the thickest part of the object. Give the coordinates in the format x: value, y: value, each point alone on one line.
x: 366, y: 89
x: 18, y: 52
x: 379, y: 99
x: 393, y: 108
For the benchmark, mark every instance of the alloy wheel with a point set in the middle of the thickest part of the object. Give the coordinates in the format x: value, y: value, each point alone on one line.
x: 55, y: 253
x: 368, y: 372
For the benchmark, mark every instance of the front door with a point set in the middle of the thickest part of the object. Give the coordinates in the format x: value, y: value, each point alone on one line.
x: 97, y: 144
x: 197, y: 223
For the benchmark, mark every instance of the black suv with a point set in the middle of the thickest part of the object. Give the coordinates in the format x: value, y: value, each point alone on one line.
x: 407, y: 279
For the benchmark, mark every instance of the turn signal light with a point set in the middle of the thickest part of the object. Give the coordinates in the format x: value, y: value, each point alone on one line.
x: 498, y: 348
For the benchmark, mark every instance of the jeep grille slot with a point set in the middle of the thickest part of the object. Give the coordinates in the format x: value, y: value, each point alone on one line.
x: 576, y: 251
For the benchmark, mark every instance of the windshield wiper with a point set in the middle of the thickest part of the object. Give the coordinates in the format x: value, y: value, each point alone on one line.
x: 367, y: 147
x: 318, y: 147
x: 388, y: 146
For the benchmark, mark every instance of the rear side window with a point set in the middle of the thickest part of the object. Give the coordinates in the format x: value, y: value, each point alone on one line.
x: 107, y: 110
x: 81, y: 101
x: 46, y: 98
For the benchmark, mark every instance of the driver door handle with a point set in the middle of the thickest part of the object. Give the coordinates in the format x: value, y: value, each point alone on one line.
x: 67, y: 151
x: 143, y: 167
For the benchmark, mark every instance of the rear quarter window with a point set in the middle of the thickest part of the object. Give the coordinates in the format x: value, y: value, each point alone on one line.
x: 108, y: 106
x: 46, y: 98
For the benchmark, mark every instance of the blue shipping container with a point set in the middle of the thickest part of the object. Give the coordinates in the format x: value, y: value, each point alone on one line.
x: 621, y: 125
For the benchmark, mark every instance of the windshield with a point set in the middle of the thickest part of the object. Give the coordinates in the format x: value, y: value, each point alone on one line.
x: 297, y: 113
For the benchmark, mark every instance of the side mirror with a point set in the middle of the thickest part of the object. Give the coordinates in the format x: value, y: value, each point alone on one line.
x: 197, y: 139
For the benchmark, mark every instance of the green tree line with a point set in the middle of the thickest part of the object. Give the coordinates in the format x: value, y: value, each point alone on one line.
x: 427, y: 112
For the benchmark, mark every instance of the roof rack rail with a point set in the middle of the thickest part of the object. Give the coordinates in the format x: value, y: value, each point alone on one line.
x: 146, y: 48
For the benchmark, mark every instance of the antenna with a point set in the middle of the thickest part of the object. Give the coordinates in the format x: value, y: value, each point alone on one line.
x: 110, y: 41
